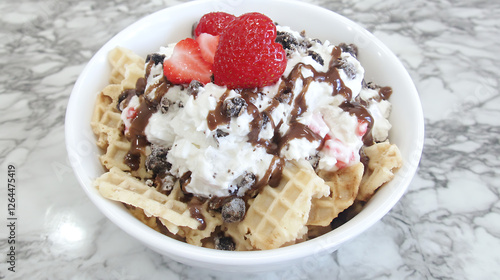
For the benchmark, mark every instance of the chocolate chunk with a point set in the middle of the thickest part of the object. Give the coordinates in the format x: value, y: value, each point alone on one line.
x: 351, y: 48
x: 221, y: 133
x: 155, y: 57
x: 287, y: 40
x: 149, y: 183
x: 370, y: 85
x: 234, y: 106
x: 314, y: 160
x: 194, y: 88
x: 224, y: 243
x: 285, y: 96
x: 265, y: 118
x: 314, y: 55
x: 348, y: 68
x: 246, y: 181
x: 166, y: 183
x: 157, y: 160
x: 233, y: 210
x: 164, y: 105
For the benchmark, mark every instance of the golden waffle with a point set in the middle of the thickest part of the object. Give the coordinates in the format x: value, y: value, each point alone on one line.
x: 139, y: 214
x: 278, y: 215
x: 242, y: 243
x: 344, y: 185
x: 114, y: 157
x: 120, y: 58
x: 132, y: 73
x: 121, y: 186
x: 211, y: 220
x: 106, y: 121
x: 107, y: 125
x: 384, y: 160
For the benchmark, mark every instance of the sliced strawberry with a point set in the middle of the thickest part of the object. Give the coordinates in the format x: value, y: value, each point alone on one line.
x: 208, y: 45
x: 213, y: 23
x: 187, y: 64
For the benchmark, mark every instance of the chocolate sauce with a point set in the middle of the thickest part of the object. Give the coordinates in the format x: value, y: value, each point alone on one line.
x: 195, y: 212
x: 299, y: 130
x: 185, y: 179
x: 140, y: 86
x: 354, y: 108
x: 161, y: 87
x: 385, y: 92
x: 272, y: 177
x: 261, y: 119
x: 218, y: 116
x: 127, y: 94
x: 147, y: 107
x: 331, y: 76
x: 124, y: 98
x: 284, y: 95
x: 136, y: 135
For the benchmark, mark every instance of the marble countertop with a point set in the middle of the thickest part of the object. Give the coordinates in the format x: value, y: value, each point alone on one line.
x: 447, y: 226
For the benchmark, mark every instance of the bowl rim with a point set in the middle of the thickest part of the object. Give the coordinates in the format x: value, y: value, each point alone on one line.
x: 183, y: 251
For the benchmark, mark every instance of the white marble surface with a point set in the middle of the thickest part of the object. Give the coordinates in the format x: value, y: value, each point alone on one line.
x: 446, y: 227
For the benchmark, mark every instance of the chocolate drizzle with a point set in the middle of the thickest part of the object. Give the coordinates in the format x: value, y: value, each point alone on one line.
x: 195, y: 212
x: 288, y: 93
x: 385, y: 92
x: 136, y: 134
x: 355, y: 108
x: 218, y: 116
x: 285, y: 94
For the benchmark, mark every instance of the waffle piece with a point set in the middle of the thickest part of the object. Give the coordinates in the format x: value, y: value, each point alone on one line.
x: 139, y: 214
x: 278, y: 215
x: 132, y: 73
x: 115, y: 152
x: 107, y: 125
x: 120, y: 186
x: 120, y: 58
x: 344, y: 185
x: 175, y: 194
x: 241, y: 241
x: 211, y: 221
x: 106, y: 121
x: 384, y: 160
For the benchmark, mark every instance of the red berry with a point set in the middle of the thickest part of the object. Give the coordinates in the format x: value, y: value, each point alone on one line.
x: 213, y: 23
x: 208, y: 44
x: 247, y: 55
x: 187, y: 64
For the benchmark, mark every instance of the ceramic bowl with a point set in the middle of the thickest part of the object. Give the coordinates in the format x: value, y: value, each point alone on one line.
x: 175, y: 23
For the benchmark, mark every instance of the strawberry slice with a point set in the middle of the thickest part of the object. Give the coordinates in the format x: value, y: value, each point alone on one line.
x: 187, y: 64
x: 208, y: 45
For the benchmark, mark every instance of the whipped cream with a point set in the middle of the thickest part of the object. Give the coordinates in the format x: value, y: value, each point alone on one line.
x: 303, y: 116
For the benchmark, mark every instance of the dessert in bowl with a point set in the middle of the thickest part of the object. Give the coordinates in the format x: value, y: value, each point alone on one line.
x: 149, y: 184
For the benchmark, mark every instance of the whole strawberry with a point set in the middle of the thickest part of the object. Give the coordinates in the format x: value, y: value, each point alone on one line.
x: 247, y: 55
x: 213, y: 23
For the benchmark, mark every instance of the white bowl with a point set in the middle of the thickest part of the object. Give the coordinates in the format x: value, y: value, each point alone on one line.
x: 175, y: 23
